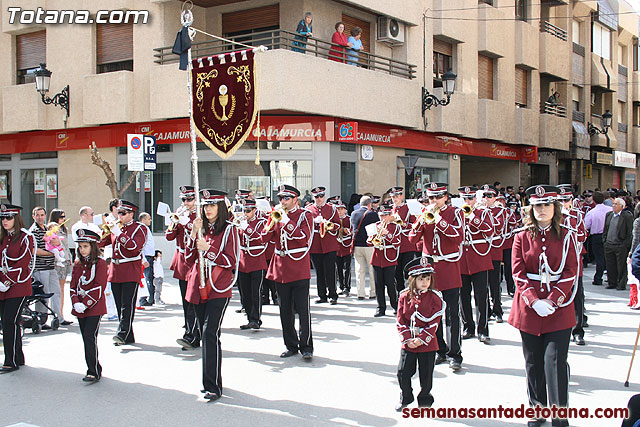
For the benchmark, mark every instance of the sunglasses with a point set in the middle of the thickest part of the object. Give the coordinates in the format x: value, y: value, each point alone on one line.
x: 122, y: 212
x: 284, y: 197
x: 62, y: 216
x: 489, y: 196
x: 468, y: 197
x: 317, y: 196
x: 188, y: 199
x: 247, y: 210
x: 436, y: 197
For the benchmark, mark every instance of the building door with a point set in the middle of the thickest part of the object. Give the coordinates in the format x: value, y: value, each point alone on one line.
x: 347, y: 180
x: 539, y: 174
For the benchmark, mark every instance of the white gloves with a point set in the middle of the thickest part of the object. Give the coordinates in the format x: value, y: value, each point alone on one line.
x: 79, y: 307
x: 543, y: 308
x: 471, y: 216
x: 3, y: 287
x: 317, y: 219
x: 436, y: 218
x: 184, y: 220
x: 285, y: 219
x: 116, y: 231
x: 244, y: 224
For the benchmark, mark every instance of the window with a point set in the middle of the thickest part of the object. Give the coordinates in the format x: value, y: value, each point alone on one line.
x: 521, y: 10
x: 485, y: 77
x: 36, y: 191
x: 442, y: 60
x: 244, y: 25
x: 521, y: 87
x: 39, y: 155
x: 114, y: 47
x: 622, y: 112
x: 576, y: 33
x: 489, y: 2
x: 622, y: 55
x: 31, y: 50
x: 161, y: 191
x: 575, y: 94
x: 635, y: 55
x: 636, y: 114
x: 346, y: 146
x: 601, y: 41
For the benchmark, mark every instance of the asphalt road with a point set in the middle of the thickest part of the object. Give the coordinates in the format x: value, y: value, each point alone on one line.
x: 350, y: 381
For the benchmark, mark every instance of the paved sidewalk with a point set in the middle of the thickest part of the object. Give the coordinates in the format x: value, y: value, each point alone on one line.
x: 351, y: 380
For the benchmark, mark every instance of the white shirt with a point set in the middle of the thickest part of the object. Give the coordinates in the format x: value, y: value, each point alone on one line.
x: 149, y: 248
x: 158, y: 271
x: 78, y: 225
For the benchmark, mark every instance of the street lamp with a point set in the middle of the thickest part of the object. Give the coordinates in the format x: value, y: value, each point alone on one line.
x: 605, y: 122
x: 448, y: 86
x: 43, y: 79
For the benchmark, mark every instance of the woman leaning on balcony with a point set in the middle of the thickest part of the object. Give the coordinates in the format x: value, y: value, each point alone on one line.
x: 338, y: 43
x: 304, y: 32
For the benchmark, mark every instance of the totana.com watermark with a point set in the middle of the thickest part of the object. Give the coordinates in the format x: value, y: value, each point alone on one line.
x: 17, y: 15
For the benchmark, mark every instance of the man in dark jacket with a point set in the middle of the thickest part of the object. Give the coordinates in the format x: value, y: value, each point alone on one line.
x: 616, y: 238
x: 362, y: 252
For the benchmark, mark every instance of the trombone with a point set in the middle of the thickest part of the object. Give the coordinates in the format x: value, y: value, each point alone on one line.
x: 107, y: 227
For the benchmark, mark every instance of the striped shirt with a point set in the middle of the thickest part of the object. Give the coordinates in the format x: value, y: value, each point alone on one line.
x: 42, y: 262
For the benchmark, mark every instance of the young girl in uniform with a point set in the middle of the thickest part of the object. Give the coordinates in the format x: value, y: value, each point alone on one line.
x: 420, y: 309
x: 88, y: 283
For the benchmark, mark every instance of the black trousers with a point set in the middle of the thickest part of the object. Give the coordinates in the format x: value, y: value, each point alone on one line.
x: 508, y: 273
x: 588, y: 257
x: 293, y: 297
x: 547, y: 369
x: 494, y: 288
x: 11, y: 331
x: 384, y: 277
x: 452, y: 320
x: 125, y: 296
x: 578, y: 305
x: 191, y: 327
x: 210, y: 315
x: 406, y: 370
x: 89, y: 327
x: 403, y: 259
x: 477, y: 282
x: 269, y: 286
x: 325, y: 266
x: 251, y: 285
x: 343, y: 266
x: 148, y: 277
x: 616, y: 259
x: 598, y: 256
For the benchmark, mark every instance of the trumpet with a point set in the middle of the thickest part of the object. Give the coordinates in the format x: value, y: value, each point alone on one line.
x: 175, y: 217
x: 467, y: 210
x: 428, y: 216
x: 325, y: 226
x: 107, y: 227
x: 397, y: 220
x: 376, y: 239
x: 55, y: 229
x: 274, y: 217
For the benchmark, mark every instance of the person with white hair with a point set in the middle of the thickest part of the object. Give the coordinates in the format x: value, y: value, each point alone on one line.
x: 616, y: 239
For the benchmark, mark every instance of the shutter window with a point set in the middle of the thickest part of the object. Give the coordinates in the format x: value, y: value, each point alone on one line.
x: 365, y: 38
x: 114, y: 47
x: 485, y: 77
x: 442, y: 47
x: 31, y: 50
x: 521, y: 87
x: 250, y: 20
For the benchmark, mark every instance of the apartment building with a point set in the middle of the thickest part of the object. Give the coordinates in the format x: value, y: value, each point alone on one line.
x: 501, y: 124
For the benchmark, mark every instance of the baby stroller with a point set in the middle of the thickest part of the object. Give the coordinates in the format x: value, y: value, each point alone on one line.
x: 30, y: 318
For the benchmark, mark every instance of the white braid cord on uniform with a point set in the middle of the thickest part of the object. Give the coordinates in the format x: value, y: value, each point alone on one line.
x: 260, y: 223
x: 500, y: 237
x: 416, y: 313
x: 436, y: 241
x: 283, y: 239
x: 384, y: 251
x: 6, y: 258
x: 92, y: 276
x: 210, y: 265
x: 544, y: 268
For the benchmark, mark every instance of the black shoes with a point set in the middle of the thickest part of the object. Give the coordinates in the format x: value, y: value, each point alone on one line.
x: 66, y: 322
x: 307, y: 355
x: 484, y: 339
x: 240, y: 310
x: 7, y: 369
x: 536, y: 423
x: 46, y: 327
x: 289, y: 353
x: 250, y: 325
x: 455, y: 365
x: 186, y: 344
x: 211, y: 397
x: 91, y: 379
x: 400, y: 406
x: 499, y: 318
x: 118, y: 341
x: 244, y: 327
x: 333, y: 301
x: 360, y: 298
x: 468, y: 335
x: 321, y: 301
x: 378, y: 314
x: 440, y: 359
x: 610, y: 287
x: 578, y: 340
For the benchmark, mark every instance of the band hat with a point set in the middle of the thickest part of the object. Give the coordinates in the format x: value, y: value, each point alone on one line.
x: 318, y: 191
x: 565, y: 192
x: 210, y: 197
x: 587, y: 193
x: 333, y: 199
x: 187, y: 191
x: 539, y: 194
x: 9, y: 211
x: 86, y: 235
x: 469, y: 191
x: 501, y: 196
x: 249, y: 203
x: 242, y: 194
x: 489, y: 189
x: 513, y: 202
x: 436, y: 188
x: 385, y: 209
x: 395, y: 191
x: 124, y: 204
x: 287, y: 190
x: 418, y: 266
x: 375, y: 199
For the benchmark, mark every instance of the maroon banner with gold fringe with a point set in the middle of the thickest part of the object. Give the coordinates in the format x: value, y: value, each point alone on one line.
x: 224, y: 100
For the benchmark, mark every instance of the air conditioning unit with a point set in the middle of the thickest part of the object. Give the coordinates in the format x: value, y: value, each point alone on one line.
x: 390, y: 30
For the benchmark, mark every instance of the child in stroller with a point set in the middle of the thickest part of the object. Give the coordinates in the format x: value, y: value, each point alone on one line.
x: 30, y: 317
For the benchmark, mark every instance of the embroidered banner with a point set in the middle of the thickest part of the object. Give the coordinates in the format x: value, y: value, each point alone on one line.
x: 224, y: 91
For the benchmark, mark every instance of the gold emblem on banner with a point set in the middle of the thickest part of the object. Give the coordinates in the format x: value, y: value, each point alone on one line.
x: 223, y: 99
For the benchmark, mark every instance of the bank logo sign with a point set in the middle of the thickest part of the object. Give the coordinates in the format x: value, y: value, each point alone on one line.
x: 348, y: 132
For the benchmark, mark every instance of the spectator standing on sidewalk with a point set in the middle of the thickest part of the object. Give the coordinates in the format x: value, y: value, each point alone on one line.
x: 616, y: 239
x: 158, y: 277
x: 148, y: 254
x: 594, y: 223
x: 362, y: 253
x: 45, y: 272
x: 58, y: 217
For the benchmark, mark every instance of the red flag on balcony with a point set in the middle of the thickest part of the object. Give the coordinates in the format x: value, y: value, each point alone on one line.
x: 224, y: 104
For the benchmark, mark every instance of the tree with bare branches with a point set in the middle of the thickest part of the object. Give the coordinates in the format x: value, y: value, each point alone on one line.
x: 112, y: 182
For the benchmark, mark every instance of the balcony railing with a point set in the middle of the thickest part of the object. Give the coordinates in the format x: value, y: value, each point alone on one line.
x: 548, y: 27
x: 282, y: 39
x: 553, y: 109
